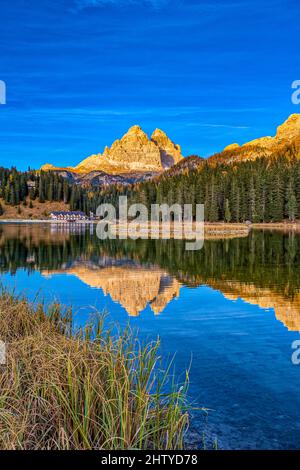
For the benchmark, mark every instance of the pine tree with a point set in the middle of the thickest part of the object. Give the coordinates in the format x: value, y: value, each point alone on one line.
x: 291, y: 203
x: 227, y: 215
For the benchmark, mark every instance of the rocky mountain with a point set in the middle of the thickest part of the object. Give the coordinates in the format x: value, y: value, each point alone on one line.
x: 285, y: 141
x: 135, y: 152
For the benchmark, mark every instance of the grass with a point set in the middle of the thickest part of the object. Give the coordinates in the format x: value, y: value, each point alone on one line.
x: 37, y: 211
x: 82, y: 390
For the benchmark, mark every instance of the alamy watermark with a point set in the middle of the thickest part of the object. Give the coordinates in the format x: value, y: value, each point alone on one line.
x: 296, y: 94
x: 2, y: 92
x: 161, y: 222
x: 296, y: 354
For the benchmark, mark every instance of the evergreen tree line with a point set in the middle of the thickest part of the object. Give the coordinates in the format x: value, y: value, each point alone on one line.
x: 261, y: 190
x: 25, y: 187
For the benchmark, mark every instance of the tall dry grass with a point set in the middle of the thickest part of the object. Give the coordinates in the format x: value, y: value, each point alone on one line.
x: 83, y: 390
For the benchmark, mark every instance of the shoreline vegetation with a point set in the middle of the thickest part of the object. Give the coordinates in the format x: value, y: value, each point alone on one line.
x: 83, y: 389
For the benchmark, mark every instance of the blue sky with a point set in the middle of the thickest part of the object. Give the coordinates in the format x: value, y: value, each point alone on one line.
x: 79, y: 73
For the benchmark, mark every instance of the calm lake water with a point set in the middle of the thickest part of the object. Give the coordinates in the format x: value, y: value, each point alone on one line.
x: 233, y: 309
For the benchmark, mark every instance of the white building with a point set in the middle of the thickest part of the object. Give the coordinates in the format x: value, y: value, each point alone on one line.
x: 69, y: 216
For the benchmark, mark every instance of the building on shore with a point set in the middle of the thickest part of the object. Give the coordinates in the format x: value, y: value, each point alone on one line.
x: 68, y: 216
x: 31, y: 184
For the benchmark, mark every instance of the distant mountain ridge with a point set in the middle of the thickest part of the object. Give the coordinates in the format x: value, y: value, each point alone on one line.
x: 287, y: 138
x: 101, y: 178
x: 286, y: 142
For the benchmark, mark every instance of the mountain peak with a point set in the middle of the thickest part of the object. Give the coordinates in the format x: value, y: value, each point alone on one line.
x: 134, y: 135
x: 158, y: 133
x: 232, y: 146
x: 290, y: 128
x: 134, y: 152
x: 134, y: 129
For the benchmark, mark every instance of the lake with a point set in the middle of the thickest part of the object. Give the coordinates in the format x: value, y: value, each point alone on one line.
x: 231, y: 310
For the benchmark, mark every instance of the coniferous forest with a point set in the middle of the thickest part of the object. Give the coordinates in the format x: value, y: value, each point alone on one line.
x: 256, y: 191
x: 261, y: 190
x: 26, y: 187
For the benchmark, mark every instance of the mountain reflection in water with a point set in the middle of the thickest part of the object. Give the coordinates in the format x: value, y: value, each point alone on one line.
x: 261, y: 269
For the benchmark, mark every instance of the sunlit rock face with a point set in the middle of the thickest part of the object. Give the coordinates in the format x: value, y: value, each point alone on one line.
x: 133, y: 152
x: 132, y: 287
x: 170, y: 153
x: 287, y: 134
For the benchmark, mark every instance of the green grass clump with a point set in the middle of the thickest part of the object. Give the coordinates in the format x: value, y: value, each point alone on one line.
x: 82, y: 390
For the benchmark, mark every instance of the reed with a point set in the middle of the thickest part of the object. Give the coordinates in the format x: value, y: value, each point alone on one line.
x: 83, y: 389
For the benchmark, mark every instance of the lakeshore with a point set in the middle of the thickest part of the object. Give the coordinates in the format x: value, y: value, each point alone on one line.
x: 85, y: 389
x: 209, y: 227
x: 144, y: 231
